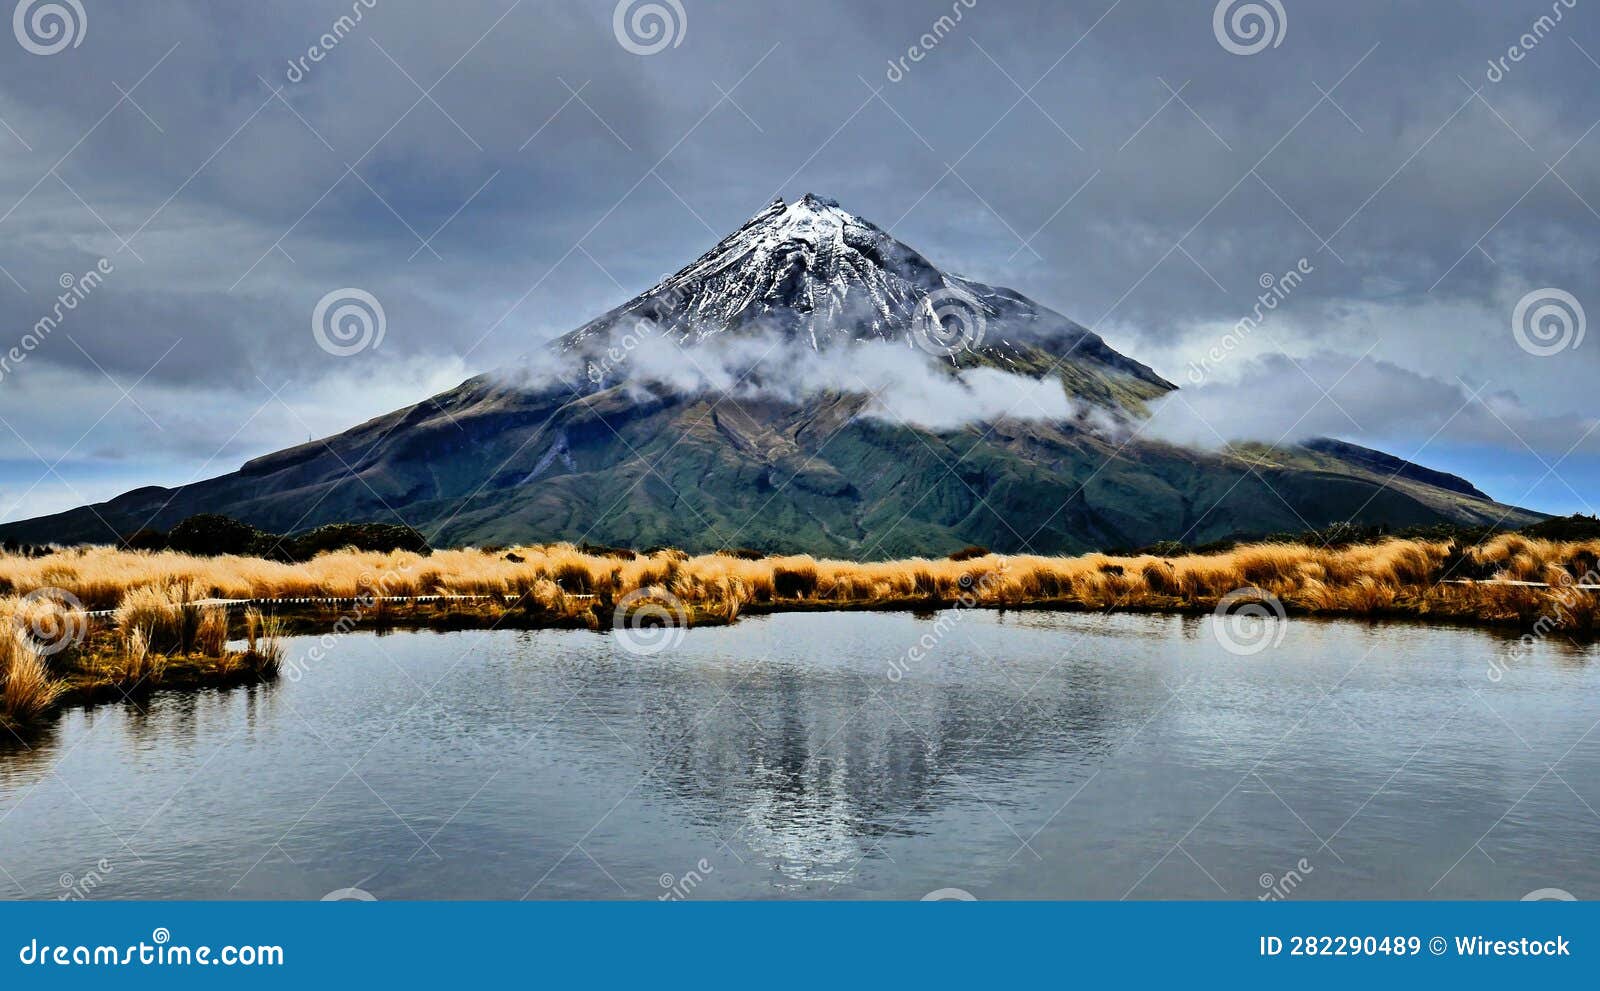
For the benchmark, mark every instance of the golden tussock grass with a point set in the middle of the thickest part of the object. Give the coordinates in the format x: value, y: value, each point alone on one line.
x: 159, y: 614
x: 157, y: 591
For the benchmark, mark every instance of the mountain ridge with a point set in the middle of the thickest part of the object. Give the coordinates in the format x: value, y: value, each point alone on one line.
x: 587, y: 443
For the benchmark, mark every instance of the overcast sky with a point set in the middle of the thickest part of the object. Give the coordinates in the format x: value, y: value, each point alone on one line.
x: 496, y: 172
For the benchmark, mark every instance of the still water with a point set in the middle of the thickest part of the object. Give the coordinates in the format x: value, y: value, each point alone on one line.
x: 1028, y: 755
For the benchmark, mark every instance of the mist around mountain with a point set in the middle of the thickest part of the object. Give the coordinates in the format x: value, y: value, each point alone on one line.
x: 810, y: 384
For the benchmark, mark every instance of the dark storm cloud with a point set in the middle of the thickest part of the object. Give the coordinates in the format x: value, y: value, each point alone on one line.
x: 1153, y: 175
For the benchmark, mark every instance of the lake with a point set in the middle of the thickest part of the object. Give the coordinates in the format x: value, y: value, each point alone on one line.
x: 1023, y: 755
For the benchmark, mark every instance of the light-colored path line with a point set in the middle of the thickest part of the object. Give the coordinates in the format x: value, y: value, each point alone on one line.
x: 341, y: 600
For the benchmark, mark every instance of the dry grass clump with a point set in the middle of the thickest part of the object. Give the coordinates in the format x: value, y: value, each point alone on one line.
x: 27, y: 691
x: 134, y: 663
x: 264, y: 649
x: 156, y: 592
x: 160, y: 626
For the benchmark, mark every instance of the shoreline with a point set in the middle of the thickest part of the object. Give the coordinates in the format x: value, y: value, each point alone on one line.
x: 198, y: 674
x: 83, y: 627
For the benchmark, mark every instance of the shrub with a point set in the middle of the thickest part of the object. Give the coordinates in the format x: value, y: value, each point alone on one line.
x: 381, y: 538
x: 797, y: 582
x: 210, y: 535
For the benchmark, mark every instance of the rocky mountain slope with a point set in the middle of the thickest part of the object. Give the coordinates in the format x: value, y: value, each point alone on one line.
x: 593, y: 441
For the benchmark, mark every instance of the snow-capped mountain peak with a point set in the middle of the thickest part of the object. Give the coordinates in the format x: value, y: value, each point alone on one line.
x: 813, y: 271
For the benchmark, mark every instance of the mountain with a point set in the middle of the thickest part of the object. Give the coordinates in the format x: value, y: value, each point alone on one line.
x: 599, y: 438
